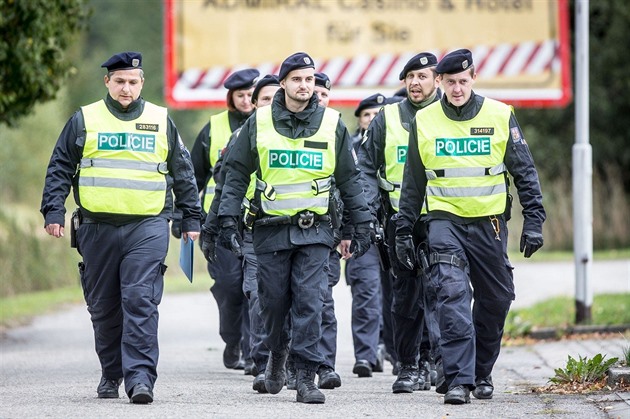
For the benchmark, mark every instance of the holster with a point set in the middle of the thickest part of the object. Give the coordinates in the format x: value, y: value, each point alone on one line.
x: 381, y: 246
x: 335, y: 209
x: 75, y: 222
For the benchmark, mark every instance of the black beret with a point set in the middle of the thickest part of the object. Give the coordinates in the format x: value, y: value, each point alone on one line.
x: 295, y: 62
x: 322, y: 80
x: 268, y: 80
x: 375, y: 101
x: 417, y: 62
x: 123, y: 61
x: 455, y: 62
x: 242, y: 79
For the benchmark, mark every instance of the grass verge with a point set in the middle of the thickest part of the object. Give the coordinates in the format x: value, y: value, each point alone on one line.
x: 559, y: 313
x: 20, y: 309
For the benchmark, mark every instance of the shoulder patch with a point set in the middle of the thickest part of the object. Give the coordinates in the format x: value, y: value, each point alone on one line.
x: 517, y: 136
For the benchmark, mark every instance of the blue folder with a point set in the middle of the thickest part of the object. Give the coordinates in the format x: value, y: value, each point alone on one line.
x: 186, y: 254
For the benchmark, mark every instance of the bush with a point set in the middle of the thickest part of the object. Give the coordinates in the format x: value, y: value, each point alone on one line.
x: 31, y: 263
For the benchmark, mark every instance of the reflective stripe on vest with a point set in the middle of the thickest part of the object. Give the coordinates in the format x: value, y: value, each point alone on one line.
x: 123, y: 166
x: 295, y: 172
x: 395, y: 153
x: 465, y: 170
x: 220, y: 133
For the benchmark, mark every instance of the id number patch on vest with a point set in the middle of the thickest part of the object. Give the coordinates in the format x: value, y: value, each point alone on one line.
x: 478, y: 146
x: 482, y: 131
x: 296, y: 159
x: 148, y: 127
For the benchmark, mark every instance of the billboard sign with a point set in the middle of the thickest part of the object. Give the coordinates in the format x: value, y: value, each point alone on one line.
x: 520, y: 47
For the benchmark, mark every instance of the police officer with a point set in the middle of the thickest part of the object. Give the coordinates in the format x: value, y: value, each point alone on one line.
x: 381, y: 157
x: 461, y: 150
x: 227, y: 270
x: 295, y: 147
x: 262, y: 96
x: 130, y: 159
x: 364, y: 276
x: 328, y: 377
x: 322, y: 88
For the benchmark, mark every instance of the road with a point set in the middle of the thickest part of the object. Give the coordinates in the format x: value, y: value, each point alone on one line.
x: 49, y: 368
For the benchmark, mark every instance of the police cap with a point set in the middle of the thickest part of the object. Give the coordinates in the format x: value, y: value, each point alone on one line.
x: 322, y: 80
x: 123, y: 61
x: 455, y: 62
x: 242, y: 79
x: 295, y: 62
x: 375, y: 101
x: 268, y: 80
x: 417, y: 62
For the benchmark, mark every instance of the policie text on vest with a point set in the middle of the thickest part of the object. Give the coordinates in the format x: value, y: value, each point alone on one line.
x: 126, y: 141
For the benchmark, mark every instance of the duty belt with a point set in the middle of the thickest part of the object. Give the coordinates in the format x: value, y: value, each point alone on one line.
x: 303, y: 220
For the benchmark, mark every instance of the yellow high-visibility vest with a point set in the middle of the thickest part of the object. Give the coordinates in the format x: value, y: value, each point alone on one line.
x: 395, y: 152
x: 220, y: 133
x: 123, y: 168
x: 464, y: 160
x: 296, y: 173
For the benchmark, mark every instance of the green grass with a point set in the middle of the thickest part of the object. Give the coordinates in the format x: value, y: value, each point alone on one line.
x: 20, y: 309
x: 557, y: 255
x: 559, y: 312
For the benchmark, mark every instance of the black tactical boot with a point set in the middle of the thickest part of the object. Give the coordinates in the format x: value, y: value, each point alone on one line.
x: 232, y: 356
x: 484, y: 388
x: 250, y: 368
x: 440, y: 381
x: 307, y: 391
x: 259, y: 383
x: 328, y: 378
x: 457, y: 395
x: 432, y: 372
x: 362, y: 368
x: 291, y: 376
x: 276, y: 373
x: 424, y: 375
x: 108, y: 389
x: 407, y: 380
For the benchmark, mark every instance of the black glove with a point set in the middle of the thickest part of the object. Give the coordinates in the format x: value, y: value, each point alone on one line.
x: 362, y: 239
x: 406, y: 251
x: 229, y: 236
x: 176, y: 228
x: 530, y: 242
x: 208, y: 244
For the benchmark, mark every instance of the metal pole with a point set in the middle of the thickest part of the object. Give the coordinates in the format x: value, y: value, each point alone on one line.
x: 582, y: 171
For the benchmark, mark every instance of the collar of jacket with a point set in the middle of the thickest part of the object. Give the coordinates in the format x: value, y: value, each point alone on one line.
x: 283, y: 113
x: 133, y: 111
x: 237, y: 119
x: 465, y: 112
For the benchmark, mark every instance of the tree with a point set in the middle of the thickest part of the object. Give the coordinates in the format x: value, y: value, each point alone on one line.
x: 33, y: 64
x: 551, y: 132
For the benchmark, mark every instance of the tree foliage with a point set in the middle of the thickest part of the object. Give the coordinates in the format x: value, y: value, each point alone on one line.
x: 551, y: 132
x: 33, y: 64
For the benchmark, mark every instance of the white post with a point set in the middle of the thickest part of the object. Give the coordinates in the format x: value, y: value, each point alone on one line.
x: 582, y: 171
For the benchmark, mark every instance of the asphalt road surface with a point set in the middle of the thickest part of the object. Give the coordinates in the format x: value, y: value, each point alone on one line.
x: 49, y: 368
